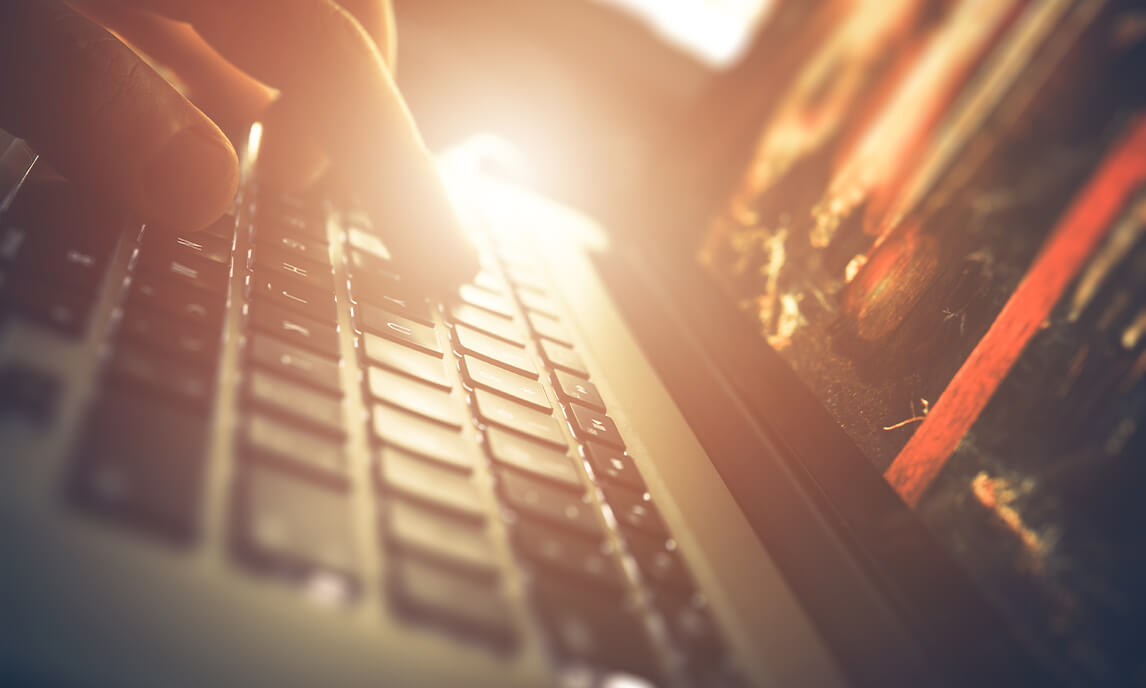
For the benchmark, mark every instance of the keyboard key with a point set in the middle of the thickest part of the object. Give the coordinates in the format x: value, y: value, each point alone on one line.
x: 299, y: 530
x: 490, y: 282
x: 583, y: 560
x: 544, y: 326
x: 489, y: 323
x: 141, y: 462
x: 265, y: 316
x: 658, y: 559
x: 29, y: 393
x: 264, y: 437
x: 426, y: 438
x: 277, y: 218
x: 320, y: 412
x: 401, y: 358
x: 524, y: 278
x: 403, y: 330
x: 156, y: 331
x: 634, y: 509
x: 295, y: 363
x: 450, y: 542
x: 481, y: 298
x: 186, y: 268
x: 364, y: 262
x: 511, y: 415
x: 572, y: 388
x: 536, y: 499
x: 429, y: 484
x: 613, y: 465
x: 526, y: 455
x: 274, y: 262
x: 538, y: 304
x: 389, y: 295
x: 692, y: 628
x: 223, y: 228
x: 368, y: 242
x: 165, y: 242
x: 594, y: 425
x: 415, y: 397
x: 205, y: 309
x: 313, y: 303
x: 483, y: 346
x: 66, y: 254
x: 154, y: 373
x: 478, y: 373
x: 562, y: 357
x: 423, y: 592
x: 317, y: 252
x: 65, y: 310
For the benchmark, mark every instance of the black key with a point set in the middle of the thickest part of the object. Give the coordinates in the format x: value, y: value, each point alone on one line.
x: 278, y: 218
x: 295, y: 363
x: 187, y: 268
x: 511, y: 415
x: 299, y: 530
x: 205, y: 309
x: 66, y: 310
x: 29, y: 393
x: 316, y: 252
x: 373, y: 319
x: 594, y: 425
x: 561, y: 356
x: 415, y: 397
x: 265, y: 316
x: 544, y: 326
x: 165, y: 376
x: 274, y: 262
x: 613, y: 465
x: 447, y: 540
x: 426, y: 438
x: 538, y: 304
x: 313, y: 303
x: 264, y: 437
x: 391, y: 297
x: 319, y: 411
x: 533, y: 498
x: 489, y: 323
x: 692, y: 628
x: 486, y: 300
x: 483, y: 346
x: 142, y: 463
x: 526, y: 455
x: 156, y: 331
x: 572, y: 388
x: 66, y: 255
x: 478, y: 373
x: 634, y: 509
x: 401, y: 358
x: 424, y: 592
x: 223, y: 228
x: 367, y: 241
x: 583, y: 560
x: 659, y: 561
x: 364, y: 263
x: 165, y: 242
x: 427, y: 483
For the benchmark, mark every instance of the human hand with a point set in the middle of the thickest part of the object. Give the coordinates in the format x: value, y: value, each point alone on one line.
x: 317, y: 72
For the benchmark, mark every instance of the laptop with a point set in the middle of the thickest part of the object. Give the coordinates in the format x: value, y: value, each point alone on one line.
x: 847, y: 392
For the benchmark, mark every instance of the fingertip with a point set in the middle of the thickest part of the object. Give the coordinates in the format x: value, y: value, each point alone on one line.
x: 192, y: 180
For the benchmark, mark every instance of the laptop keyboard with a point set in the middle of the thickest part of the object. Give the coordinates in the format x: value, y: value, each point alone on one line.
x: 485, y: 430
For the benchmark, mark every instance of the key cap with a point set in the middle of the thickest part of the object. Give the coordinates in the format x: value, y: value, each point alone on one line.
x: 584, y: 561
x: 518, y: 418
x: 29, y: 393
x: 298, y: 403
x: 490, y: 282
x: 421, y: 591
x: 391, y: 297
x: 264, y: 437
x: 523, y: 278
x: 368, y: 242
x: 538, y: 304
x: 65, y: 310
x: 223, y: 228
x: 562, y: 357
x: 526, y: 455
x: 613, y: 465
x: 403, y: 330
x: 481, y: 298
x: 187, y: 268
x: 446, y: 540
x: 317, y: 252
x: 265, y: 316
x: 572, y: 388
x: 401, y: 358
x: 295, y: 529
x: 295, y: 363
x: 635, y: 509
x: 423, y: 437
x: 544, y: 326
x: 594, y: 425
x: 488, y: 323
x: 160, y: 241
x: 202, y: 308
x: 478, y: 373
x: 141, y: 462
x: 153, y: 330
x: 67, y: 254
x: 483, y: 346
x: 154, y: 373
x: 315, y: 304
x: 429, y: 484
x: 692, y: 628
x: 415, y: 397
x: 277, y: 218
x: 273, y: 262
x: 536, y: 499
x: 658, y: 559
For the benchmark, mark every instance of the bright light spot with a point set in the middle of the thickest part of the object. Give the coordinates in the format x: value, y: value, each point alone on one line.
x: 717, y: 32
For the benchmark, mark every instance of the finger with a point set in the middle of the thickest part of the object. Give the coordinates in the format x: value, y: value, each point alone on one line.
x: 315, y: 49
x: 377, y: 17
x: 103, y: 118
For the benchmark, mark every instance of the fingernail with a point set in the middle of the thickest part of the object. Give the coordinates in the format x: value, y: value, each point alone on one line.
x: 192, y: 180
